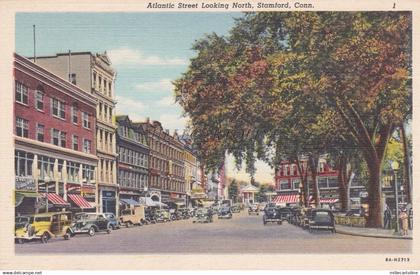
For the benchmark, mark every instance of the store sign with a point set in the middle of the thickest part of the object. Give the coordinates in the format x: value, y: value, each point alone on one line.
x: 25, y: 183
x: 363, y: 194
x: 108, y: 194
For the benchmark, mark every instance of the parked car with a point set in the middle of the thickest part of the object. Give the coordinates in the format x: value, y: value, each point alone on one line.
x: 183, y: 213
x: 306, y: 217
x: 286, y: 214
x: 253, y: 209
x: 236, y: 208
x: 321, y: 219
x: 203, y: 215
x: 272, y: 214
x: 114, y: 222
x: 162, y: 215
x: 43, y: 227
x: 134, y: 215
x: 224, y: 213
x: 91, y: 223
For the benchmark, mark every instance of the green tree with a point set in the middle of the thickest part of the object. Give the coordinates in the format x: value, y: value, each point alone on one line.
x: 233, y: 191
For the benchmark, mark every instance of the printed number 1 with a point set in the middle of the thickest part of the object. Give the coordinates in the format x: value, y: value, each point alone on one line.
x: 393, y: 6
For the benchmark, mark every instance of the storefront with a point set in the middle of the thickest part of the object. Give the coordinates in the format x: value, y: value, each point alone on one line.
x: 25, y: 195
x: 108, y: 201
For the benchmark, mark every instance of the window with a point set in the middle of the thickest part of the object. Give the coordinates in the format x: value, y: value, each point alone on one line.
x: 58, y: 137
x: 73, y: 171
x: 21, y: 93
x: 322, y: 182
x: 85, y: 119
x: 109, y: 89
x: 23, y: 163
x: 74, y: 117
x: 75, y: 143
x: 72, y: 78
x: 22, y: 127
x: 284, y: 185
x: 39, y: 100
x: 87, y: 145
x: 94, y: 80
x: 46, y: 167
x: 40, y: 132
x: 58, y: 108
x: 100, y: 83
x: 88, y: 172
x: 296, y: 184
x: 333, y: 182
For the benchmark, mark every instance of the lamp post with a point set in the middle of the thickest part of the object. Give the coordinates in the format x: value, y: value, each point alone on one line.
x: 394, y: 166
x: 300, y: 194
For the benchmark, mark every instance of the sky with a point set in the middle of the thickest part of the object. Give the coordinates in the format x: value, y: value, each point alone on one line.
x: 148, y: 51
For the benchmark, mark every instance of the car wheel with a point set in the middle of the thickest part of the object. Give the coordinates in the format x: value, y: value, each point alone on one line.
x: 45, y: 237
x: 108, y: 231
x: 67, y: 236
x: 20, y: 241
x: 91, y: 232
x: 279, y: 223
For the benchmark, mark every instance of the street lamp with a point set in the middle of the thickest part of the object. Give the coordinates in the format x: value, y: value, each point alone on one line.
x: 394, y: 166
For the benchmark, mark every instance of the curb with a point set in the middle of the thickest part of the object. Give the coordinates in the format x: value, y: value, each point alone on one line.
x: 372, y: 236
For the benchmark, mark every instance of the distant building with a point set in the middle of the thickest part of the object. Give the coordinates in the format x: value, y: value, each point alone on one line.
x: 55, y: 152
x: 133, y: 160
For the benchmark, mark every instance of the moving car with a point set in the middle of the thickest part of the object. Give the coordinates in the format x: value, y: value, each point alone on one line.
x: 203, y: 215
x: 224, y: 213
x: 91, y: 223
x: 43, y: 227
x: 236, y: 208
x: 321, y: 219
x: 134, y: 215
x: 253, y: 209
x: 272, y: 214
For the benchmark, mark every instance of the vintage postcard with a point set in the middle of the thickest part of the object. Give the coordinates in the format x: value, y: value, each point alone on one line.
x: 209, y: 135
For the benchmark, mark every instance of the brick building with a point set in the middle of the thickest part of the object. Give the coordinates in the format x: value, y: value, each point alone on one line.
x: 55, y: 150
x: 94, y: 74
x: 166, y: 164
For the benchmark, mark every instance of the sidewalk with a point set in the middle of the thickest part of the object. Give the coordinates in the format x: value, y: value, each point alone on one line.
x: 371, y: 232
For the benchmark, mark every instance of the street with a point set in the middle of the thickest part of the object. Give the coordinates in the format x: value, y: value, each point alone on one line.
x: 241, y: 234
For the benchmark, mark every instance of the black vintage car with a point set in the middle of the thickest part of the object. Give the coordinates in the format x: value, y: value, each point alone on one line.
x: 253, y: 209
x: 90, y: 223
x: 286, y: 214
x: 272, y: 214
x: 321, y: 219
x: 225, y: 212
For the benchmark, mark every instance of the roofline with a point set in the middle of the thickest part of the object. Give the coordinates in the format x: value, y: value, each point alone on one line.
x: 61, y: 54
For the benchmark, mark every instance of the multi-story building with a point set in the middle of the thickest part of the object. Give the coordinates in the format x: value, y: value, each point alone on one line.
x: 55, y: 152
x: 133, y: 159
x: 191, y: 166
x: 216, y: 183
x: 166, y: 164
x: 93, y: 73
x: 288, y: 182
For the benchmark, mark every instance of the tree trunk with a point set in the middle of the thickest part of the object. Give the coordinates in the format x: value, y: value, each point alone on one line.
x: 342, y: 184
x: 374, y: 189
x: 313, y: 164
x: 303, y: 173
x: 407, y: 176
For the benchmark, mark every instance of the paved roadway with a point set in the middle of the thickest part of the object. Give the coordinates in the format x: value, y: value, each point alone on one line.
x: 242, y: 234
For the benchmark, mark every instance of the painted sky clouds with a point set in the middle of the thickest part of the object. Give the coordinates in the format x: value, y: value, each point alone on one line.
x: 148, y: 51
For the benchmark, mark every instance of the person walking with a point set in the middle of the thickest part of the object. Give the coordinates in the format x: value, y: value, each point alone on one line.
x: 404, y: 222
x: 387, y: 218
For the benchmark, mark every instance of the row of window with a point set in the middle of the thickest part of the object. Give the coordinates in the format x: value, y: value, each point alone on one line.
x: 323, y: 182
x: 58, y: 137
x: 130, y: 133
x: 292, y: 169
x: 132, y: 157
x: 58, y: 107
x: 104, y: 112
x: 102, y: 84
x: 106, y: 169
x: 24, y: 167
x: 105, y: 140
x: 165, y: 149
x: 132, y: 179
x: 166, y: 184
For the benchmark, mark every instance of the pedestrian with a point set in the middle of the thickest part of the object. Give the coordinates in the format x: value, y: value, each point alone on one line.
x: 410, y: 218
x: 362, y: 211
x: 387, y: 218
x: 404, y: 222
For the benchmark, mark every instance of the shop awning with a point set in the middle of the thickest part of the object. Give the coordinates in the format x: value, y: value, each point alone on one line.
x: 55, y: 199
x: 291, y: 198
x: 329, y: 200
x: 19, y: 196
x: 129, y: 202
x: 80, y: 201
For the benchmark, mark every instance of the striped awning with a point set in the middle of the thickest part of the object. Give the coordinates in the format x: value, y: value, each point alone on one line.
x: 55, y: 199
x: 328, y: 200
x: 291, y: 198
x: 80, y: 201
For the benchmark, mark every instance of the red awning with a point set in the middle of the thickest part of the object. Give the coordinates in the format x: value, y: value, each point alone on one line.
x: 291, y: 198
x: 55, y: 199
x: 329, y: 200
x: 80, y: 201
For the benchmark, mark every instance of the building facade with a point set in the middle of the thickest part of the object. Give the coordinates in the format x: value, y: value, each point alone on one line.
x: 133, y: 159
x: 93, y: 73
x: 166, y: 164
x: 288, y: 182
x: 191, y: 167
x: 55, y: 149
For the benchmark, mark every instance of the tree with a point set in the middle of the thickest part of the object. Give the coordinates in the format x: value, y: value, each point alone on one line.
x: 263, y: 189
x: 233, y: 191
x: 269, y: 84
